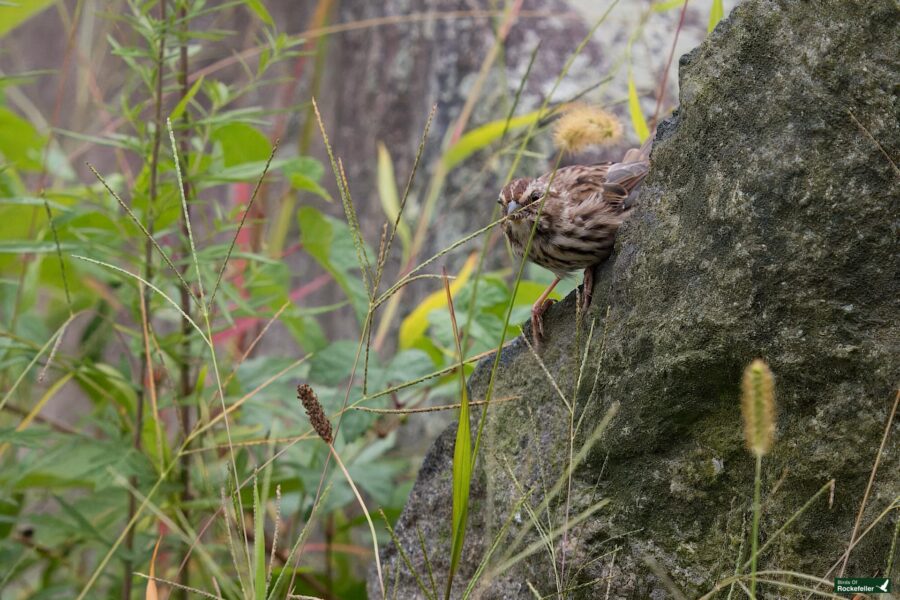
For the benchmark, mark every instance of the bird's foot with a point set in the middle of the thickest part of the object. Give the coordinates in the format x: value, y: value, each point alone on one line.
x: 537, y: 321
x: 587, y: 290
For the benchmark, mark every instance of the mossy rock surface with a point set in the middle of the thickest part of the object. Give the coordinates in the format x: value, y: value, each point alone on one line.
x: 767, y: 228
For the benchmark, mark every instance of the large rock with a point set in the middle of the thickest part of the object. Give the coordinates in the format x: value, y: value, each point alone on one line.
x: 767, y: 227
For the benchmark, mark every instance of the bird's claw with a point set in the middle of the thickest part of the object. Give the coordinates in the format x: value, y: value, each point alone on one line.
x: 537, y: 321
x: 587, y: 290
x: 586, y: 300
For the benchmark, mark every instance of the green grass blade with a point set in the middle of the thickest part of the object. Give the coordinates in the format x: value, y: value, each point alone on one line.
x: 301, y: 539
x: 259, y: 546
x: 405, y: 557
x: 462, y: 458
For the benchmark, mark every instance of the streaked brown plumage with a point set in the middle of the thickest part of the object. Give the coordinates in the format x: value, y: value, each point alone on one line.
x: 583, y: 209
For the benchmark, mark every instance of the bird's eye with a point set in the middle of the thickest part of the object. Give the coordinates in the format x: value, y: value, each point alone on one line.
x: 536, y: 195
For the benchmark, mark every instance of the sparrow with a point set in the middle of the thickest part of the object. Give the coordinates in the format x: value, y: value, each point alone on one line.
x: 578, y: 210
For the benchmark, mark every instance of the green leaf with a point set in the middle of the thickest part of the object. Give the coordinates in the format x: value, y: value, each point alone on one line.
x: 304, y: 174
x: 260, y: 10
x: 182, y: 104
x: 390, y: 198
x: 304, y: 183
x: 332, y: 365
x: 483, y: 136
x: 19, y: 141
x: 32, y: 438
x: 104, y: 382
x: 634, y: 107
x: 305, y: 330
x: 242, y: 144
x: 13, y: 15
x: 715, y: 15
x: 75, y: 462
x: 330, y: 243
x: 462, y: 478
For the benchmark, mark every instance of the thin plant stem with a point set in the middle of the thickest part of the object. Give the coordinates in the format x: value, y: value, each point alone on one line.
x: 259, y: 182
x: 426, y: 409
x: 59, y: 256
x: 754, y: 533
x: 771, y: 539
x: 430, y: 594
x: 862, y: 506
x: 362, y: 504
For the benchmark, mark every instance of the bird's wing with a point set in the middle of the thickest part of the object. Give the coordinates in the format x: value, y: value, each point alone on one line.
x: 621, y: 181
x: 579, y: 181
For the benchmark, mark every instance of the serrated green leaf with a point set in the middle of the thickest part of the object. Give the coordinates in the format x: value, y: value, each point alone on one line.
x: 634, y: 107
x: 332, y: 365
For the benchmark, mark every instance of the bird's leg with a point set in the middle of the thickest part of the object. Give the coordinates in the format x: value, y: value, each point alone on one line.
x: 537, y: 311
x: 587, y: 289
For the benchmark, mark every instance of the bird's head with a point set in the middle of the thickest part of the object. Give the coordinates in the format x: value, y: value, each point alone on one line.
x: 520, y: 197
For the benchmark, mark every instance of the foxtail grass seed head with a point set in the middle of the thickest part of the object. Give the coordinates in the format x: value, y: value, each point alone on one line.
x: 314, y: 411
x: 582, y: 126
x: 758, y: 407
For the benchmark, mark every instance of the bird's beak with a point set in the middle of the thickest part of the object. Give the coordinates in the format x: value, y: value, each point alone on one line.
x: 512, y: 207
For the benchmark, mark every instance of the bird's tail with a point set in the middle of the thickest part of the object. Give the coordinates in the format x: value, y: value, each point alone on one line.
x: 626, y: 176
x: 640, y: 154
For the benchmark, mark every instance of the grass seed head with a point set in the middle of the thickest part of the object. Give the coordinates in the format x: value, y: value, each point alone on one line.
x: 758, y: 407
x: 582, y: 126
x: 314, y: 411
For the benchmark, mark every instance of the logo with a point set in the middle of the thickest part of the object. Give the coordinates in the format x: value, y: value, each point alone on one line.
x: 863, y: 585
